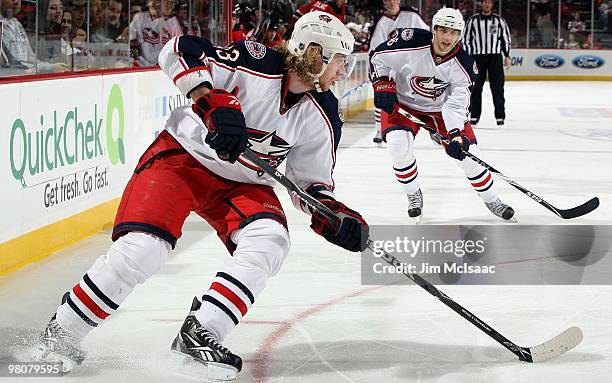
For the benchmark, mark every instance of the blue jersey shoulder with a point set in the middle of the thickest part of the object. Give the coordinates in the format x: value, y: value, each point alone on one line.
x: 258, y: 57
x: 467, y: 63
x: 247, y: 54
x: 403, y: 38
x: 329, y: 103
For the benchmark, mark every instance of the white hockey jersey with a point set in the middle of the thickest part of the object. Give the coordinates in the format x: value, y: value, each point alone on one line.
x: 383, y: 25
x: 151, y: 36
x: 305, y: 134
x: 425, y: 81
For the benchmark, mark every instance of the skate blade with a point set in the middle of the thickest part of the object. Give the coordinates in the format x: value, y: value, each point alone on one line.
x: 41, y: 354
x: 415, y: 220
x: 212, y: 371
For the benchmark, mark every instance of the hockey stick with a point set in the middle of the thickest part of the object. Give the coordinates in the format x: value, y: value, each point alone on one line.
x: 552, y: 348
x: 574, y: 212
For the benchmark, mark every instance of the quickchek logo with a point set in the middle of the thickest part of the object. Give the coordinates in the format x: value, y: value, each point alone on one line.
x: 116, y: 148
x: 67, y: 137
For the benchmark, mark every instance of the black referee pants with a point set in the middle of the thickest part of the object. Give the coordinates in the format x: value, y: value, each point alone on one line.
x: 493, y: 65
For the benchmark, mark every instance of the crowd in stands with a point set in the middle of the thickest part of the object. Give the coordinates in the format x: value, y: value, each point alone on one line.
x: 41, y: 36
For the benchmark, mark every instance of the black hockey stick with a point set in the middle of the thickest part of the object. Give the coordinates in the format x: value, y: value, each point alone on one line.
x: 554, y: 347
x: 574, y: 212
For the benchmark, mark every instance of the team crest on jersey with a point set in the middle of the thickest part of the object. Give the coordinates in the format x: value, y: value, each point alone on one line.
x: 429, y: 87
x: 268, y: 146
x: 407, y: 34
x: 257, y: 50
x: 493, y: 29
x: 325, y: 18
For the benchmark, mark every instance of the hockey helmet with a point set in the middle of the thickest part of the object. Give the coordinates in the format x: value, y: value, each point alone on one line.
x: 329, y: 33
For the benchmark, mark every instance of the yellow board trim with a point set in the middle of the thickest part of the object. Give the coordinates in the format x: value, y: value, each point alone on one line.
x: 559, y: 78
x: 40, y: 243
x: 355, y: 110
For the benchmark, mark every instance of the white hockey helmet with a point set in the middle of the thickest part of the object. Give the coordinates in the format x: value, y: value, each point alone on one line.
x: 449, y: 18
x: 327, y: 31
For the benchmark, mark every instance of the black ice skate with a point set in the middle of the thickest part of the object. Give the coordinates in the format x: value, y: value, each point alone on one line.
x: 57, y: 345
x: 377, y: 138
x: 200, y: 345
x: 501, y: 210
x: 415, y: 206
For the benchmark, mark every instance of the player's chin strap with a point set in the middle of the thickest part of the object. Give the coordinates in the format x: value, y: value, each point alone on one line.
x: 315, y: 77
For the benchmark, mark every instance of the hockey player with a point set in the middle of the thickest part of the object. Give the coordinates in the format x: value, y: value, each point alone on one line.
x: 279, y: 104
x: 385, y: 23
x: 429, y: 75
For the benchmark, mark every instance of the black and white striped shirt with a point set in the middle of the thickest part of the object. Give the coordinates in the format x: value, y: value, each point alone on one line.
x: 487, y: 35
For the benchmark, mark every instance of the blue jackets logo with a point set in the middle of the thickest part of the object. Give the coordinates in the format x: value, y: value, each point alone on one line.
x: 549, y: 61
x: 588, y: 62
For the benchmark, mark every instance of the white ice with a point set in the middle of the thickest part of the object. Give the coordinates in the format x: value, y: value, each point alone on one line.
x: 315, y: 322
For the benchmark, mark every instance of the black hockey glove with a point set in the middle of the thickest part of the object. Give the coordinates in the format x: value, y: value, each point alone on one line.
x: 227, y: 132
x: 385, y: 94
x: 352, y: 232
x: 456, y: 148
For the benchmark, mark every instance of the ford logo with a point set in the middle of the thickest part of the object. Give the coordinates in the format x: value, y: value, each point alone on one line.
x: 588, y: 62
x: 549, y: 61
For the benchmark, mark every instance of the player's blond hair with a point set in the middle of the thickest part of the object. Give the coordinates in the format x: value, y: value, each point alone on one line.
x: 305, y: 65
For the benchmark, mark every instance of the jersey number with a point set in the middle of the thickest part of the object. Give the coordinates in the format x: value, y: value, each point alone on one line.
x: 228, y: 53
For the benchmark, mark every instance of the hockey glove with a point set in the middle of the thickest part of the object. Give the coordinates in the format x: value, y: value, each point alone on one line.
x: 352, y: 232
x: 456, y: 148
x: 385, y: 94
x: 221, y: 113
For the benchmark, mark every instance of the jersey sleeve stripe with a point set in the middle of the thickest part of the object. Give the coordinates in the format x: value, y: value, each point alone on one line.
x: 190, y: 70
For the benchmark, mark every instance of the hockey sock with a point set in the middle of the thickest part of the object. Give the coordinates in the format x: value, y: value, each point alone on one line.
x: 130, y: 260
x: 480, y: 178
x: 399, y: 144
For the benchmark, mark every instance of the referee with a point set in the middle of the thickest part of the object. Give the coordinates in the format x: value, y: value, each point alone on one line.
x: 487, y: 39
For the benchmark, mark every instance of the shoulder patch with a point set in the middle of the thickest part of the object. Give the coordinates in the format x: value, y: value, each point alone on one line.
x: 407, y: 34
x: 341, y: 114
x: 255, y: 49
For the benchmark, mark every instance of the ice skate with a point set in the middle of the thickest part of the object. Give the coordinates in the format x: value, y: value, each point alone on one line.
x: 415, y: 206
x: 377, y: 139
x: 501, y: 210
x: 195, y: 343
x: 57, y: 345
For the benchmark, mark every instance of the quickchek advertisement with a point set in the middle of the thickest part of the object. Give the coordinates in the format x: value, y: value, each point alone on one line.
x: 67, y: 149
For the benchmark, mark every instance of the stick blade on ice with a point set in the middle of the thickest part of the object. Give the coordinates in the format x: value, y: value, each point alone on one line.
x: 558, y: 345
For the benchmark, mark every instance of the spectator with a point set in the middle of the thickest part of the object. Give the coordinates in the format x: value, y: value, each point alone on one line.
x: 15, y: 42
x: 97, y: 14
x: 147, y: 35
x: 112, y: 28
x: 547, y: 30
x: 181, y: 23
x: 246, y: 21
x: 271, y: 37
x: 135, y: 8
x: 334, y: 7
x: 572, y: 43
x: 52, y: 23
x: 576, y: 25
x: 79, y: 15
x: 282, y: 31
x: 604, y: 8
